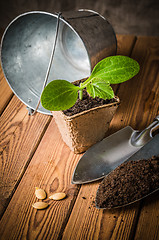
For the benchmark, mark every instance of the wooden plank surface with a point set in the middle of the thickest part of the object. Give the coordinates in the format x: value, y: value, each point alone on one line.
x: 51, y: 168
x: 25, y: 164
x: 55, y: 146
x: 148, y: 224
x: 83, y: 221
x: 142, y: 103
x: 139, y: 105
x: 140, y: 109
x: 5, y: 92
x: 20, y: 136
x: 125, y: 44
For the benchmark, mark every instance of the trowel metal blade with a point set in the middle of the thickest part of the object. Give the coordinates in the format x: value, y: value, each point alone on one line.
x: 104, y: 156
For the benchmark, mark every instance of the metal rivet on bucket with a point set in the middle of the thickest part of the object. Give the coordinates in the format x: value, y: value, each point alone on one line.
x: 38, y: 47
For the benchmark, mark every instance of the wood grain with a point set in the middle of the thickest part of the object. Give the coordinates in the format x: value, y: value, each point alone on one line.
x: 139, y: 105
x: 148, y: 224
x: 20, y: 135
x: 140, y: 109
x: 50, y: 165
x: 146, y: 85
x: 50, y: 176
x: 56, y: 173
x: 139, y: 96
x: 51, y: 168
x: 125, y: 45
x: 5, y: 92
x: 92, y: 224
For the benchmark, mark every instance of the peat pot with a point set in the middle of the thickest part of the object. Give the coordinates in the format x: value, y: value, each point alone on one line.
x: 84, y: 129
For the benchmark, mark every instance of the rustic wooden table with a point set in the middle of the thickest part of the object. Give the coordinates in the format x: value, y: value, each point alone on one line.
x: 33, y: 154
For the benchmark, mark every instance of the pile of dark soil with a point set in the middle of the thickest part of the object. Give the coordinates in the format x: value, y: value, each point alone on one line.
x: 86, y: 103
x: 129, y: 182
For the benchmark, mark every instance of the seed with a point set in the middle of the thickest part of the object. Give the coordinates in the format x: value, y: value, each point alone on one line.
x: 40, y: 193
x: 58, y: 196
x: 40, y: 205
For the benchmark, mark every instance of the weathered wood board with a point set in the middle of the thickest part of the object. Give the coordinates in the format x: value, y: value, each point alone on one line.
x: 33, y: 154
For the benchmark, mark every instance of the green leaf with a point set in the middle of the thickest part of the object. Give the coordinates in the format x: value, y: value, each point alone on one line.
x: 59, y: 95
x: 115, y: 69
x: 100, y: 88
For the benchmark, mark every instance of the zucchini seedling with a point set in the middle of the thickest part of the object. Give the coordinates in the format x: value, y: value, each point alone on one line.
x: 61, y: 94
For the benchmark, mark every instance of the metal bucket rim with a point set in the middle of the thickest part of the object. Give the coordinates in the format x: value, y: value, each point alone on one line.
x: 89, y: 10
x: 67, y: 23
x: 3, y: 36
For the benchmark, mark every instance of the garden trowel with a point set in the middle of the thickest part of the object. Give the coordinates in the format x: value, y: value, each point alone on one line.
x: 106, y: 155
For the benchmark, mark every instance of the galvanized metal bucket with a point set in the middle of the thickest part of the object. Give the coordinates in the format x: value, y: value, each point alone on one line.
x: 84, y: 38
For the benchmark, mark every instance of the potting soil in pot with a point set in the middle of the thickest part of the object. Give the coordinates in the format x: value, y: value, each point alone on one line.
x: 86, y: 103
x: 128, y: 182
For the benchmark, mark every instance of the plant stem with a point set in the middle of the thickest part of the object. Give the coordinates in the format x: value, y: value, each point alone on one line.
x: 84, y: 84
x: 80, y: 94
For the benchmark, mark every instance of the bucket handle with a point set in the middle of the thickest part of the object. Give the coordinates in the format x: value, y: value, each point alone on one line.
x: 31, y: 111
